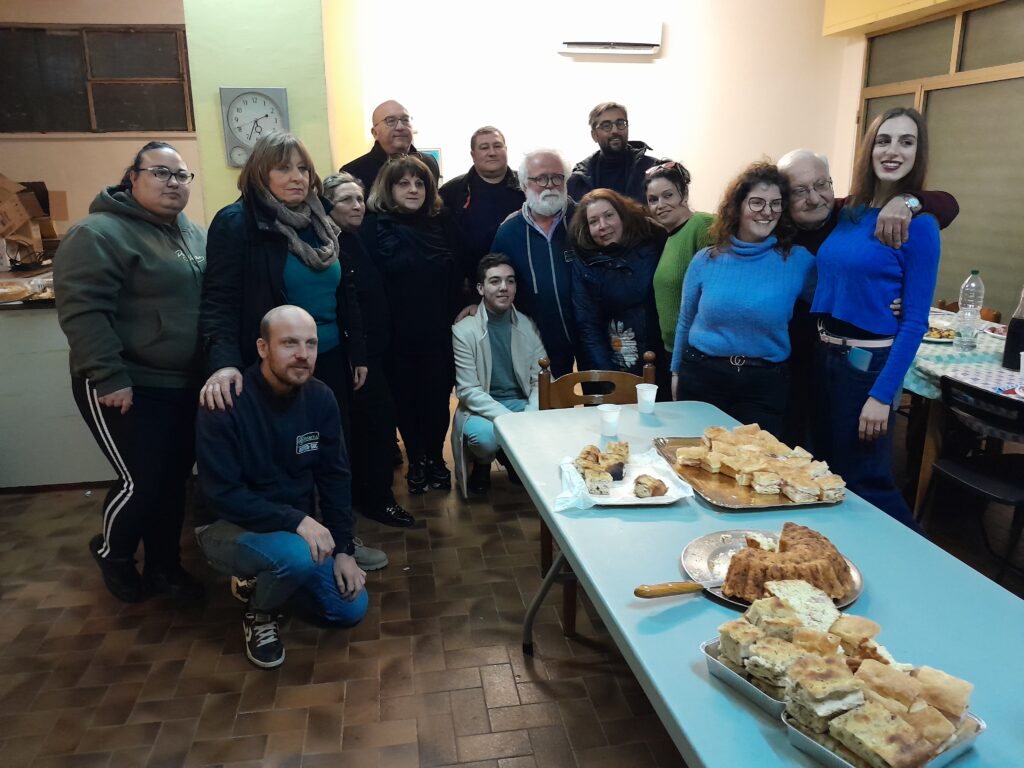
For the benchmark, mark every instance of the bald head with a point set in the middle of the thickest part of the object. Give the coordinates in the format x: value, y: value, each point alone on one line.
x: 397, y: 138
x: 285, y: 314
x: 287, y: 348
x: 810, y: 187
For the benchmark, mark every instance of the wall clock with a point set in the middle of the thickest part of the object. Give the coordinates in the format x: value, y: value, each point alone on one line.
x: 248, y: 114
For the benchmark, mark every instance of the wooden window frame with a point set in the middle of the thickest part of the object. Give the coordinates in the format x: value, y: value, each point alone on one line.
x: 83, y: 32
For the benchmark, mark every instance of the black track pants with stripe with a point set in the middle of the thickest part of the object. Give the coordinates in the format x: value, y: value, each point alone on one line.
x: 152, y: 450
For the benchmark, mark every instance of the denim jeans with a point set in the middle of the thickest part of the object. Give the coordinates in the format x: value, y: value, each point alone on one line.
x: 866, y: 466
x: 479, y: 433
x: 285, y: 572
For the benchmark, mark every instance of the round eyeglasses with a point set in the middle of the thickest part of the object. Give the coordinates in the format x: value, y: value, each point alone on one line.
x: 758, y: 204
x: 160, y: 173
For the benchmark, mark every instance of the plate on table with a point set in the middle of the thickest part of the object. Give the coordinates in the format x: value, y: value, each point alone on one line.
x: 721, y: 490
x: 939, y: 334
x: 706, y: 558
x: 622, y: 490
x: 998, y: 331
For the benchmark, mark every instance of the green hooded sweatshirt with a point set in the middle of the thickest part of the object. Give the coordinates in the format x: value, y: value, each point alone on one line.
x: 127, y: 287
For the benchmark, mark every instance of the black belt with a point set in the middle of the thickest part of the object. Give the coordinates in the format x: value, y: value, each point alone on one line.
x: 736, y: 361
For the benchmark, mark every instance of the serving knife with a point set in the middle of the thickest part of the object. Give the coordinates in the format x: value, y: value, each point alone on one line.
x: 669, y: 588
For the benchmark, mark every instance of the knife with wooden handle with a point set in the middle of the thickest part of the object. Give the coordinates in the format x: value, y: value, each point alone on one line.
x: 669, y: 588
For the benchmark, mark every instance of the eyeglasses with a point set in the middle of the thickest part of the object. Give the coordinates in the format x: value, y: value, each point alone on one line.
x: 164, y: 174
x: 669, y: 166
x: 548, y: 179
x: 607, y: 125
x: 757, y: 204
x: 799, y: 193
x: 391, y: 121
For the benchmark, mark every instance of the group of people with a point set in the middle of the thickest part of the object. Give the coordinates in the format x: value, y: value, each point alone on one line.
x: 395, y: 290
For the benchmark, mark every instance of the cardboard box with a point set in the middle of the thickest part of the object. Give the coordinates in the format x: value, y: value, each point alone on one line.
x: 12, y: 212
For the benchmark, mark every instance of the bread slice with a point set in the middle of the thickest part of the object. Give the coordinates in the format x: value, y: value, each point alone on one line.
x: 814, y: 607
x: 645, y: 486
x: 691, y: 455
x: 889, y: 682
x: 854, y: 630
x: 879, y: 737
x: 725, y: 447
x: 831, y: 487
x: 748, y: 465
x: 821, y: 688
x: 799, y: 487
x: 814, y: 641
x: 619, y: 449
x: 800, y: 453
x: 712, y: 462
x: 714, y: 433
x: 933, y: 726
x: 768, y: 607
x: 757, y: 540
x: 767, y: 483
x: 735, y: 638
x: 770, y: 659
x: 747, y: 430
x: 598, y: 483
x: 613, y: 465
x: 946, y: 693
x: 732, y: 464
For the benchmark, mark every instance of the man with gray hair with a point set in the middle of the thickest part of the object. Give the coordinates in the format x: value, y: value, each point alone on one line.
x: 535, y: 239
x: 619, y: 163
x: 484, y: 197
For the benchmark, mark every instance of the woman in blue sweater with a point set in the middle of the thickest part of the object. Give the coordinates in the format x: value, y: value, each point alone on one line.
x: 865, y: 351
x: 732, y: 337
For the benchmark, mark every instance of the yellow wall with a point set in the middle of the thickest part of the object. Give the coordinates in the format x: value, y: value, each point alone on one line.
x: 243, y: 43
x: 348, y: 120
x: 862, y: 16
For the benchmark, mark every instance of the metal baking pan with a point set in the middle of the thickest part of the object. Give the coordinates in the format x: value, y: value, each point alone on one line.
x: 806, y: 742
x: 739, y: 682
x: 722, y: 490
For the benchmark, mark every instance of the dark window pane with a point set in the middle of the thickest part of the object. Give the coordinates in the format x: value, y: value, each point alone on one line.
x: 874, y: 107
x: 993, y: 35
x: 139, y: 106
x: 42, y: 81
x: 133, y: 54
x: 921, y: 51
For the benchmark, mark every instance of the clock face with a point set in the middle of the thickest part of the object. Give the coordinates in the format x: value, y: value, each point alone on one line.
x: 252, y: 115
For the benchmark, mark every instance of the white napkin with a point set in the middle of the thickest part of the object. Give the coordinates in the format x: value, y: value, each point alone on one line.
x: 574, y: 493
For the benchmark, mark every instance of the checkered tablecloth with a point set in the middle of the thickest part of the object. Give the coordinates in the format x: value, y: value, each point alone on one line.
x: 982, y: 367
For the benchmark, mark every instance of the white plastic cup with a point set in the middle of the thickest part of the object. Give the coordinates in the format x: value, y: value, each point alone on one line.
x: 645, y: 395
x: 609, y: 419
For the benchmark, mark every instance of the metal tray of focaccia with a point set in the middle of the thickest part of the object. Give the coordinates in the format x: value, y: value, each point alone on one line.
x: 720, y: 489
x: 830, y: 752
x: 739, y: 681
x: 707, y: 557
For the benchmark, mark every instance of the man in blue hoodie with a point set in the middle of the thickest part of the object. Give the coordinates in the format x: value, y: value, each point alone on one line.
x: 535, y: 240
x: 261, y: 466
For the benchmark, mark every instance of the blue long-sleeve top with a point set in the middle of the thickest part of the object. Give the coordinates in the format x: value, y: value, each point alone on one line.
x: 858, y: 277
x: 739, y: 301
x: 260, y: 461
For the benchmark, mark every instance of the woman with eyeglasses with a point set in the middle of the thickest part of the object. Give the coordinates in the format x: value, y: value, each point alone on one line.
x: 732, y: 337
x: 127, y: 281
x: 865, y: 351
x: 667, y: 191
x: 418, y: 249
x: 616, y: 252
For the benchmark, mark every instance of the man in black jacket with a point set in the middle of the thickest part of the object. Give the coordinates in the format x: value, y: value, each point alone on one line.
x: 619, y: 164
x: 485, y: 196
x: 261, y: 465
x: 392, y: 137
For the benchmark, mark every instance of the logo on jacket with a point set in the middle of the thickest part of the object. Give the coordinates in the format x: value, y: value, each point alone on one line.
x: 307, y: 442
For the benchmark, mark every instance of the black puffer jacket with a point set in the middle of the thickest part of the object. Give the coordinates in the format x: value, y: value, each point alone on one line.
x: 587, y: 173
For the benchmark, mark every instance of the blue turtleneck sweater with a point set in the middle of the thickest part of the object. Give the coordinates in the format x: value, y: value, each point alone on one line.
x: 739, y: 301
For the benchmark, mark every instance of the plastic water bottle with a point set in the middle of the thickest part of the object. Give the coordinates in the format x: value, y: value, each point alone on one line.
x: 972, y: 294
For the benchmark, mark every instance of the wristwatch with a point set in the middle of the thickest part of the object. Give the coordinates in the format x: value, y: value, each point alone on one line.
x: 912, y: 203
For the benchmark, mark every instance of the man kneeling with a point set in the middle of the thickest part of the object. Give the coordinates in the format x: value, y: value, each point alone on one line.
x: 259, y: 463
x: 496, y: 368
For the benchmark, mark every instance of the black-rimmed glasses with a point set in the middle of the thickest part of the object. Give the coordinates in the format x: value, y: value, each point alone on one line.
x: 548, y: 179
x: 758, y: 204
x: 799, y: 193
x: 160, y: 173
x: 607, y: 125
x: 391, y: 121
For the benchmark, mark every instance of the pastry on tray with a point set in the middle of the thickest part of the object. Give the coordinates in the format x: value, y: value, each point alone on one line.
x: 599, y: 483
x: 645, y: 486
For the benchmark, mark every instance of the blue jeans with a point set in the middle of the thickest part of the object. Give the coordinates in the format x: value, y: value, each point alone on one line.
x: 285, y: 572
x: 866, y: 466
x: 479, y: 433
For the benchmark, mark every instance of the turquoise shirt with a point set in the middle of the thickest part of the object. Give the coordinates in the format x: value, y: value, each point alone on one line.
x: 504, y: 385
x: 316, y: 292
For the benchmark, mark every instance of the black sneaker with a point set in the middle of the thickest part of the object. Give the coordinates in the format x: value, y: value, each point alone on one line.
x: 479, y: 481
x: 416, y: 479
x: 262, y: 640
x: 438, y: 476
x: 513, y: 477
x: 120, y: 575
x: 175, y: 582
x: 391, y: 514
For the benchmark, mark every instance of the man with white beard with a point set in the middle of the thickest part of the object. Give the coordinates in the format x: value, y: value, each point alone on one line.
x: 535, y: 242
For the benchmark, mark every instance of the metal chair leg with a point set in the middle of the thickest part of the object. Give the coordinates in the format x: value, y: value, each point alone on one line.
x: 546, y: 547
x: 1015, y: 530
x: 531, y: 612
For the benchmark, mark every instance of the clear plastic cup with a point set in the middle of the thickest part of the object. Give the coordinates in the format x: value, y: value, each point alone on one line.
x: 609, y: 419
x: 645, y: 396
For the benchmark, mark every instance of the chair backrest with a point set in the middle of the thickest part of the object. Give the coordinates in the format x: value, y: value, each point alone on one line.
x: 987, y: 313
x: 561, y: 392
x: 989, y: 409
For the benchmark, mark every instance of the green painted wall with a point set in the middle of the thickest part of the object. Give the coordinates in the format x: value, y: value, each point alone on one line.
x: 243, y: 43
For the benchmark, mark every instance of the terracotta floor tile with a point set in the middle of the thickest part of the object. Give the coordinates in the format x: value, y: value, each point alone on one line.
x: 396, y: 676
x: 169, y: 709
x: 476, y: 657
x: 619, y: 756
x: 524, y: 716
x: 294, y: 696
x: 362, y: 702
x: 493, y: 745
x: 259, y: 690
x: 226, y: 750
x: 378, y: 734
x: 218, y: 716
x: 112, y: 738
x: 551, y: 747
x: 499, y: 686
x: 447, y: 680
x: 469, y: 712
x: 415, y: 706
x: 551, y: 690
x: 117, y: 705
x: 269, y: 722
x: 323, y: 729
x: 517, y: 762
x: 581, y: 724
x: 337, y: 671
x: 172, y: 744
x: 436, y: 740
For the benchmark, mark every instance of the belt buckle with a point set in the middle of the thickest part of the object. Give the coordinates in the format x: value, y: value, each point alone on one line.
x: 738, y: 360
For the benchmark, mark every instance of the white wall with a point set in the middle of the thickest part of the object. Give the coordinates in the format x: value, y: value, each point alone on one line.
x: 736, y: 80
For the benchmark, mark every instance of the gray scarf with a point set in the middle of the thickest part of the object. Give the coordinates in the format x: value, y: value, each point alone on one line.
x: 311, y: 211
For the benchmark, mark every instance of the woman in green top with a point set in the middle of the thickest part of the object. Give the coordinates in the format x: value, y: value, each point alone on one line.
x: 667, y: 191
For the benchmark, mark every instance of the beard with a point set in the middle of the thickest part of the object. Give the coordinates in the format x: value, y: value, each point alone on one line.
x: 546, y: 203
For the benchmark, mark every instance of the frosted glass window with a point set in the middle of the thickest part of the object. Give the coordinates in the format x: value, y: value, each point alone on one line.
x: 993, y: 36
x: 913, y: 53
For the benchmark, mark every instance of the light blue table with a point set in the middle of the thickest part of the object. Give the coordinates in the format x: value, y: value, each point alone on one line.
x: 932, y: 608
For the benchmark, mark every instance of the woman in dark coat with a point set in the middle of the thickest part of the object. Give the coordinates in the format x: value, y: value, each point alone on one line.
x: 617, y: 249
x: 418, y: 249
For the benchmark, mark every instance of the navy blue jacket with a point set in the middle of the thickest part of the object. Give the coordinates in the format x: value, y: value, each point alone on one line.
x: 366, y: 167
x: 613, y: 300
x: 587, y: 173
x: 260, y: 461
x: 544, y: 290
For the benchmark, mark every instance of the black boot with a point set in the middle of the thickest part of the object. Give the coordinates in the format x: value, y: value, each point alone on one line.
x: 174, y: 581
x: 512, y: 476
x: 120, y: 575
x: 479, y: 482
x: 438, y: 476
x: 417, y: 477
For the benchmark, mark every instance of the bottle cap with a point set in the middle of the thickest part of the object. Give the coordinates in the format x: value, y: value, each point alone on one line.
x: 974, y: 271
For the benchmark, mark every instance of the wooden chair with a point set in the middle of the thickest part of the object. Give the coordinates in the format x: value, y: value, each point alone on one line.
x: 987, y: 313
x: 561, y: 393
